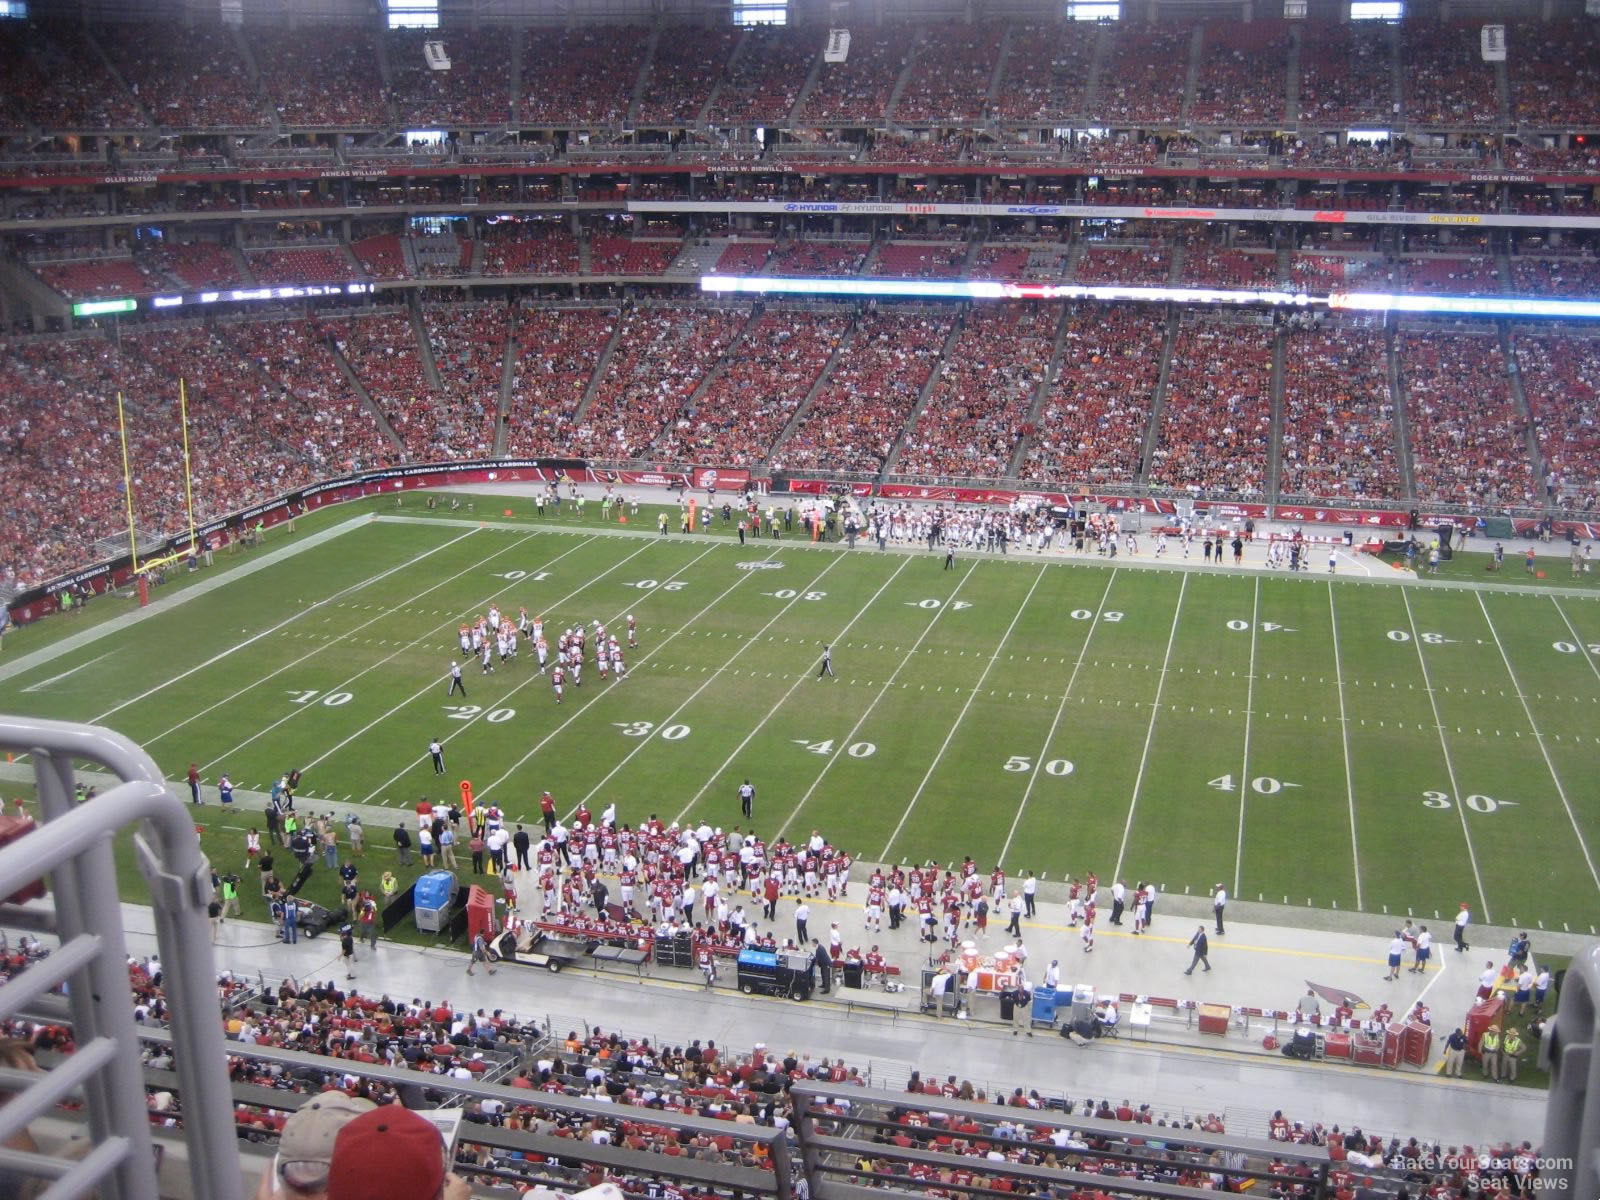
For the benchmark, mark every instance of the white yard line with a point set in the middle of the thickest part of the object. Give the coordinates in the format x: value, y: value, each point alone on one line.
x: 545, y: 740
x: 1249, y: 709
x: 1354, y: 562
x: 1577, y: 639
x: 1149, y: 736
x: 1449, y: 764
x: 285, y: 623
x: 403, y: 648
x: 432, y: 686
x: 950, y: 734
x: 53, y: 652
x: 1544, y: 750
x: 1344, y: 738
x: 882, y: 692
x: 1061, y: 709
x: 1444, y: 965
x: 44, y: 683
x: 711, y: 677
x: 758, y: 726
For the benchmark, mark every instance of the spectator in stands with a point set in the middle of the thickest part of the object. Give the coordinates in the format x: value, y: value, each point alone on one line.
x: 16, y: 1055
x: 299, y: 1171
x: 391, y: 1153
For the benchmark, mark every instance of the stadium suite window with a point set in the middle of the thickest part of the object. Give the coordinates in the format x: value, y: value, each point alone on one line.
x: 760, y: 12
x: 1376, y: 10
x: 413, y: 14
x: 1094, y: 10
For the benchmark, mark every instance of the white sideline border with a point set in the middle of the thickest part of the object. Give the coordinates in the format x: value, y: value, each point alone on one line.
x: 88, y: 637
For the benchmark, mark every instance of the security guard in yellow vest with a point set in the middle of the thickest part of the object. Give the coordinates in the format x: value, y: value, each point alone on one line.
x: 1511, y: 1052
x: 1489, y: 1052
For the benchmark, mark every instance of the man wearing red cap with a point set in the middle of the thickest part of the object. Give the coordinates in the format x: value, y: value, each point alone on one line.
x: 391, y: 1153
x: 305, y: 1148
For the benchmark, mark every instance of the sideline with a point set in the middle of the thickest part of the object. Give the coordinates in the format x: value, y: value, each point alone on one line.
x: 260, y: 562
x: 1254, y: 563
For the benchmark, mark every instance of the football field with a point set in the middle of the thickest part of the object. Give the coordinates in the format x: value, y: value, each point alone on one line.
x: 1303, y: 739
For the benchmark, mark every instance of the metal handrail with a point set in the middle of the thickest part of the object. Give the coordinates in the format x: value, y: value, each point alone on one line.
x: 1571, y: 1152
x: 73, y: 846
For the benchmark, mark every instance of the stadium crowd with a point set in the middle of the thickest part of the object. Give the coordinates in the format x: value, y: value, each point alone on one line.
x: 858, y: 413
x: 750, y: 401
x: 1216, y: 427
x: 558, y: 350
x: 975, y: 412
x: 1095, y: 415
x: 1468, y: 439
x: 660, y: 358
x: 135, y: 76
x: 1338, y: 420
x: 726, y: 385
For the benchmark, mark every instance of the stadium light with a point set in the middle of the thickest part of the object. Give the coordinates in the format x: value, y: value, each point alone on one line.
x: 992, y: 289
x: 1465, y: 306
x: 989, y: 289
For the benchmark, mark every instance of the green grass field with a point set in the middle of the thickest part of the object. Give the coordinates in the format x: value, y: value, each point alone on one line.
x: 1299, y: 738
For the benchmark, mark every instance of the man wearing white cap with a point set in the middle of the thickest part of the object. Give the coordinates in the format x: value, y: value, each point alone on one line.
x: 305, y: 1149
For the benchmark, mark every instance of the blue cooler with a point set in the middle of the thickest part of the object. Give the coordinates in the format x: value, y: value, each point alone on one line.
x: 1044, y: 1006
x: 757, y: 971
x: 433, y: 894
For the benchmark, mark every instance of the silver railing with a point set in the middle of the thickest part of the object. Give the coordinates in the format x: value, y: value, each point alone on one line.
x: 1568, y: 1050
x: 73, y: 847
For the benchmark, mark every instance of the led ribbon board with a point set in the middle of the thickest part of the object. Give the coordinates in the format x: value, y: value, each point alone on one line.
x: 987, y: 289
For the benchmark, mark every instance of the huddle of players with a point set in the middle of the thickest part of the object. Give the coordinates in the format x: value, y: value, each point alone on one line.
x: 674, y: 870
x: 496, y: 633
x: 966, y: 899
